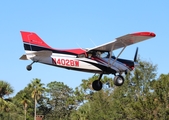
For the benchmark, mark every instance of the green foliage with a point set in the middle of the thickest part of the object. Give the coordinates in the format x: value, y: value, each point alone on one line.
x: 22, y: 97
x: 142, y: 96
x: 5, y: 89
x: 60, y: 101
x: 161, y: 96
x: 37, y: 90
x: 7, y: 108
x: 133, y: 100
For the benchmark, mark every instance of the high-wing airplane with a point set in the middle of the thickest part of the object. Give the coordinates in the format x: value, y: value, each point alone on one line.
x: 98, y: 60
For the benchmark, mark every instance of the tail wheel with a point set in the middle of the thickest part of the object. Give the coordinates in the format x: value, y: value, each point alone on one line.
x: 29, y: 67
x: 97, y: 85
x: 118, y: 80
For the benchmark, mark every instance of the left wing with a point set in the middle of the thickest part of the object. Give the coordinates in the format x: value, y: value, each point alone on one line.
x: 124, y: 41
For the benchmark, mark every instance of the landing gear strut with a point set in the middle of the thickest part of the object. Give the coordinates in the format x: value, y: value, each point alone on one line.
x: 97, y: 84
x: 29, y: 67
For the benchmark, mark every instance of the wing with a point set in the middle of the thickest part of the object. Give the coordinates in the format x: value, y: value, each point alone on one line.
x: 42, y: 53
x: 123, y: 41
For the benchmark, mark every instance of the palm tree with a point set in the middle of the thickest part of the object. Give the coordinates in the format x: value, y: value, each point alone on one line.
x: 5, y: 89
x: 5, y: 102
x: 25, y: 101
x: 37, y: 89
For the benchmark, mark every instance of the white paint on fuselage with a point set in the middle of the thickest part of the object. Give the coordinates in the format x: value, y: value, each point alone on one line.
x: 66, y: 61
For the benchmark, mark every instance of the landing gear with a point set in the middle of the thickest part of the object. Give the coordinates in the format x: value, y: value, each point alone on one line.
x: 118, y: 80
x: 97, y: 84
x: 29, y: 67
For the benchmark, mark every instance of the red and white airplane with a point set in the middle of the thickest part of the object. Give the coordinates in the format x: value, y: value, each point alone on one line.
x: 99, y: 59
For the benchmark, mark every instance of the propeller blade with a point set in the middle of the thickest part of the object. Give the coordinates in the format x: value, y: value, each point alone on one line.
x: 135, y: 57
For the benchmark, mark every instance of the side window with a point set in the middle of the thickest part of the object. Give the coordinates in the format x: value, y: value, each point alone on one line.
x: 89, y: 55
x: 94, y: 54
x: 81, y: 55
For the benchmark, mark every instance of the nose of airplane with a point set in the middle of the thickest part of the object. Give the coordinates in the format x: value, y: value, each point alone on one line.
x: 136, y: 64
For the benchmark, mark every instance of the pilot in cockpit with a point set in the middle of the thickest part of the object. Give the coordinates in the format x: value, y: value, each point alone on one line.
x: 96, y: 54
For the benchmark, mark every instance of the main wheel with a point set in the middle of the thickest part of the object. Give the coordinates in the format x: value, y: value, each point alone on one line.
x: 29, y: 67
x: 118, y: 80
x: 97, y: 85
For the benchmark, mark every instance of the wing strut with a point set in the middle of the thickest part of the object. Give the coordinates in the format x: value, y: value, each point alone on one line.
x: 118, y: 54
x: 110, y: 56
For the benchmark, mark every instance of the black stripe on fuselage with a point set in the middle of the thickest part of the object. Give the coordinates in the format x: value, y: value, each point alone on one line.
x: 105, y: 69
x: 39, y: 48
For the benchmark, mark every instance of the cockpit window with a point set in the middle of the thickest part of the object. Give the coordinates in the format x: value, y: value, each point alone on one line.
x: 100, y: 54
x: 105, y: 55
x: 91, y: 54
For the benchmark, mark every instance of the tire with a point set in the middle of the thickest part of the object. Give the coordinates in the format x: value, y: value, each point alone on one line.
x: 118, y: 80
x: 29, y: 67
x: 97, y: 85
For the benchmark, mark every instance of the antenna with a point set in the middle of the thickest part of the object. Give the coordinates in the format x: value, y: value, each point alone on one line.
x: 92, y: 42
x: 78, y: 45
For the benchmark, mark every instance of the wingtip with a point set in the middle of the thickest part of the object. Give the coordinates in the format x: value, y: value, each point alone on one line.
x: 148, y: 34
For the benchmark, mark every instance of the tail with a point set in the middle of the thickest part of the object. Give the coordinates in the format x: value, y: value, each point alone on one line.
x: 32, y: 42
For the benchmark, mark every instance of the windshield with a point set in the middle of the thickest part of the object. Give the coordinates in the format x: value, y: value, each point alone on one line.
x: 105, y: 55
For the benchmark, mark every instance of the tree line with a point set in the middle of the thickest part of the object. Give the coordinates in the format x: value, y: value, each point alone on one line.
x: 143, y: 96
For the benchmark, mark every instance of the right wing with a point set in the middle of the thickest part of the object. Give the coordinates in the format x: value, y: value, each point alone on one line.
x: 124, y: 41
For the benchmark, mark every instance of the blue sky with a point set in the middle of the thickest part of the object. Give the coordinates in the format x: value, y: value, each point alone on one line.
x: 74, y: 23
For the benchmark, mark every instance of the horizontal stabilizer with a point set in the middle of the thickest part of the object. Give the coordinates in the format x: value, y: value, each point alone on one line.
x: 43, y: 53
x: 23, y: 57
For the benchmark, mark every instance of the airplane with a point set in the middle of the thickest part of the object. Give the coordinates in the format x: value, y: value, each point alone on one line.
x: 99, y: 60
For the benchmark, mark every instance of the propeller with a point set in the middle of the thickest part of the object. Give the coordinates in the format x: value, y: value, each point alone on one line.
x: 135, y: 57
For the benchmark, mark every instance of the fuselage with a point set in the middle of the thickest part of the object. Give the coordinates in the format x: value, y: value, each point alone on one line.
x: 90, y: 64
